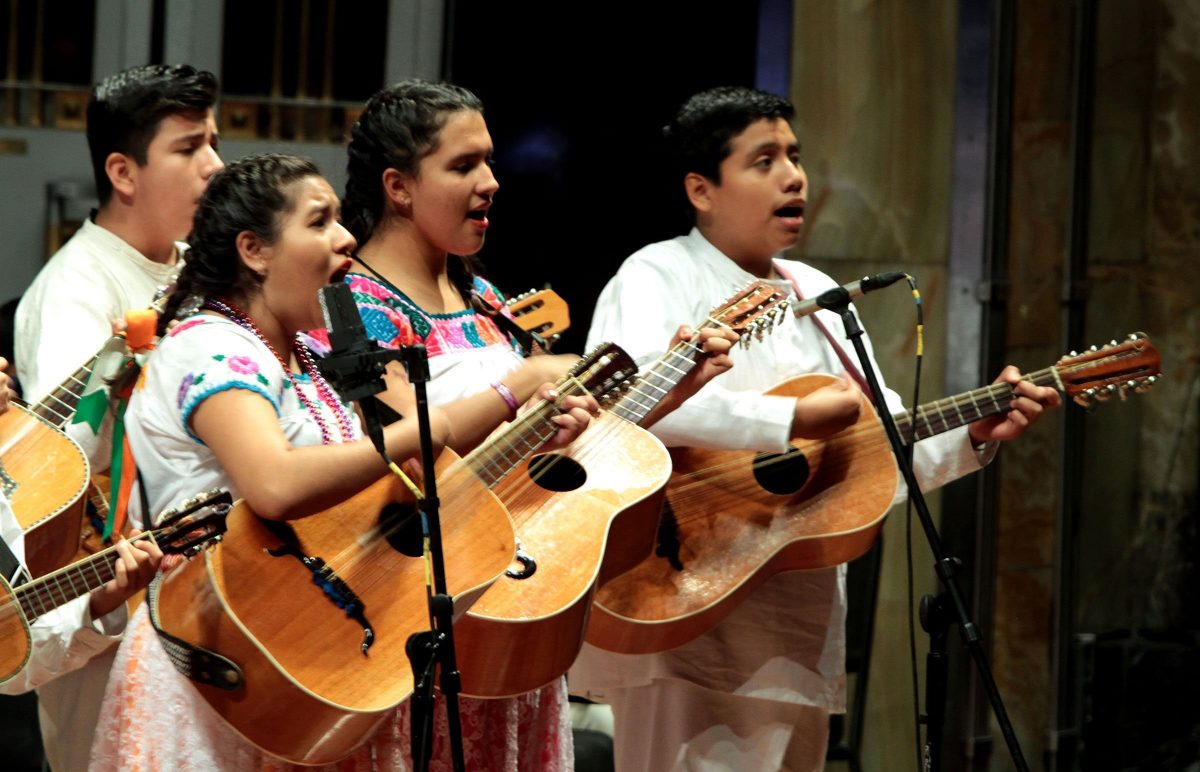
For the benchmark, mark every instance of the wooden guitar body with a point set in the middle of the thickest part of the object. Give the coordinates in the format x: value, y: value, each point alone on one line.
x: 734, y: 533
x: 14, y: 631
x: 310, y: 693
x: 524, y: 633
x: 44, y: 473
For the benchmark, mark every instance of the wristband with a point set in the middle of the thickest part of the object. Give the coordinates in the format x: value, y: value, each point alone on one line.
x: 506, y: 395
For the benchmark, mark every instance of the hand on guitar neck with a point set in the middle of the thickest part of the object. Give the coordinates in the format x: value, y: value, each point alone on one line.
x: 1028, y: 403
x: 712, y: 345
x: 473, y: 418
x: 137, y: 563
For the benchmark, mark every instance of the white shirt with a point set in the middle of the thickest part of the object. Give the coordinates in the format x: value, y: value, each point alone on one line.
x: 66, y: 314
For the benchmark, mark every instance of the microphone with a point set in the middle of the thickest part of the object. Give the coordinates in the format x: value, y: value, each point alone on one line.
x: 351, y: 364
x: 355, y: 364
x: 847, y: 292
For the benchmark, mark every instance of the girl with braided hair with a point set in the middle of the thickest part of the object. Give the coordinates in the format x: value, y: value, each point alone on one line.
x: 418, y: 197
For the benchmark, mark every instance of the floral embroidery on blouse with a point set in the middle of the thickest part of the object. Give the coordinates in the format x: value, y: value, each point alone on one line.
x: 393, y: 320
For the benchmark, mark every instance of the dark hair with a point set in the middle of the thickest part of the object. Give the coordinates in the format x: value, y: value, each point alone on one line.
x: 124, y: 111
x: 700, y: 136
x: 397, y: 129
x: 249, y: 195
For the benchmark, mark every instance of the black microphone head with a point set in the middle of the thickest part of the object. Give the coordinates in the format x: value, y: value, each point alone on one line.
x: 881, y: 280
x: 342, y: 321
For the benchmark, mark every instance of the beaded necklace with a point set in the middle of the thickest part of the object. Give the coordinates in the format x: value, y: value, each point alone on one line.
x: 324, y: 391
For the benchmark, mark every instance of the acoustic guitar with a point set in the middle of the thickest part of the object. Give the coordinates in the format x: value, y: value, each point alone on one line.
x: 184, y: 531
x: 44, y: 473
x: 317, y: 611
x: 736, y: 518
x: 584, y: 515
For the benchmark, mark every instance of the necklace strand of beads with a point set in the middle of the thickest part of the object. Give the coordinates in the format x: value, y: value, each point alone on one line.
x: 324, y: 390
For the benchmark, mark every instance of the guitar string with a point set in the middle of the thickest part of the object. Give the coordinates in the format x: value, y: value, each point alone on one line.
x: 47, y: 591
x: 346, y: 560
x: 993, y: 393
x: 723, y: 474
x: 596, y: 447
x: 516, y: 493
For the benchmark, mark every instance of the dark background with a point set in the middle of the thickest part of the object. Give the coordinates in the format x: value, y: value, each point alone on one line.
x: 575, y: 99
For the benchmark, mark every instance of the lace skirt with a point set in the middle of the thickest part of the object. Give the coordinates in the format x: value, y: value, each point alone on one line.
x: 152, y: 718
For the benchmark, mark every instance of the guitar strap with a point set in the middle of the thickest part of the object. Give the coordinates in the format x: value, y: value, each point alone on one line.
x: 530, y: 342
x: 849, y: 365
x: 198, y: 663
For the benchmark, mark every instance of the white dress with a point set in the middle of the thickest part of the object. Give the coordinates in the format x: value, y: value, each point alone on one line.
x: 756, y: 691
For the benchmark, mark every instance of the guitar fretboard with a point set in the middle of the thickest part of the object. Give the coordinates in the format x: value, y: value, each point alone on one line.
x: 945, y: 414
x: 53, y: 590
x: 59, y: 405
x: 495, y: 459
x: 653, y: 385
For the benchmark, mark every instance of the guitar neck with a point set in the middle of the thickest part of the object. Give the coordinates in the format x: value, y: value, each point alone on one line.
x: 499, y: 456
x: 59, y: 405
x: 654, y: 384
x: 945, y: 414
x: 47, y: 593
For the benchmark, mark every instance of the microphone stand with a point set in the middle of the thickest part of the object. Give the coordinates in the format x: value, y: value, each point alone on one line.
x: 357, y: 374
x: 434, y: 647
x: 935, y: 615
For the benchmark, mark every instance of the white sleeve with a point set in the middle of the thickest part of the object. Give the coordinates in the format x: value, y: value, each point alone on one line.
x: 640, y: 309
x: 57, y: 333
x: 63, y: 639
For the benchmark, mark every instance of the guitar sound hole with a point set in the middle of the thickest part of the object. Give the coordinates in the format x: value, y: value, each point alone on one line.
x: 556, y: 472
x: 400, y: 525
x: 781, y: 473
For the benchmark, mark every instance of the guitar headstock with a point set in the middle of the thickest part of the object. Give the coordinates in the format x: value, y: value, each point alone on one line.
x: 603, y: 369
x: 195, y: 524
x: 1117, y: 368
x: 542, y: 312
x: 753, y: 310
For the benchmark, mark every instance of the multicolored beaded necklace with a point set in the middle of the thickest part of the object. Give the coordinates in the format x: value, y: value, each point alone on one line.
x: 304, y: 357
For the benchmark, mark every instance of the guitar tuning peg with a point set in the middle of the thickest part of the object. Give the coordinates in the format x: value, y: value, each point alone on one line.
x: 1093, y: 349
x: 1083, y: 401
x: 1113, y: 343
x: 1072, y: 354
x: 1144, y: 385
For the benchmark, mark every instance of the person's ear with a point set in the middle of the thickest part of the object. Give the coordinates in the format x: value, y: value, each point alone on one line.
x: 122, y: 173
x: 397, y: 186
x: 699, y: 191
x: 255, y: 253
